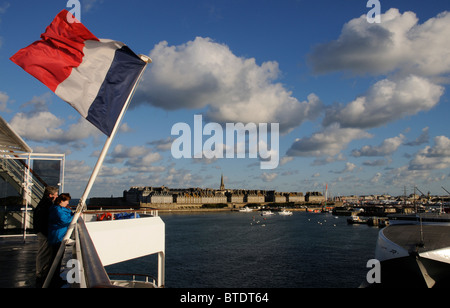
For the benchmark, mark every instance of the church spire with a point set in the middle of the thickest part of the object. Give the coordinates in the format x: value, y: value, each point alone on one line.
x: 222, y: 185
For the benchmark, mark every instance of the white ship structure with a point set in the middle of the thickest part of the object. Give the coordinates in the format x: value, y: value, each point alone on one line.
x: 92, y: 243
x: 414, y: 251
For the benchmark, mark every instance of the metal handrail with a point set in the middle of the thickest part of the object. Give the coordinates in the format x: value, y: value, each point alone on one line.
x: 94, y: 272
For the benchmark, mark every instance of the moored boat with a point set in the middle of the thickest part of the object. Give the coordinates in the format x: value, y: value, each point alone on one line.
x: 285, y: 212
x: 354, y: 220
x: 246, y: 210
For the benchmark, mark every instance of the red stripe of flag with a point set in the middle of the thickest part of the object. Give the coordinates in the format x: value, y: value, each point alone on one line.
x: 60, y: 49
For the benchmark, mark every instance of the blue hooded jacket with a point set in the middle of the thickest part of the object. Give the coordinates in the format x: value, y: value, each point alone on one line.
x: 59, y: 221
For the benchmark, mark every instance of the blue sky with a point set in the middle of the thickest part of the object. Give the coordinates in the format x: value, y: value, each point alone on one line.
x: 363, y: 107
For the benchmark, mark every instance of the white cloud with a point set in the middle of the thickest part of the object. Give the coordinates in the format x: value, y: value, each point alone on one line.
x: 203, y: 73
x: 403, y: 176
x: 349, y: 167
x: 376, y: 178
x: 88, y: 5
x: 135, y: 157
x: 77, y: 173
x: 41, y: 126
x: 36, y: 123
x: 422, y: 139
x: 388, y: 147
x: 163, y: 144
x: 385, y: 102
x: 286, y: 160
x: 4, y: 98
x: 330, y: 142
x: 46, y: 127
x: 423, y: 168
x: 320, y: 161
x: 268, y: 177
x: 375, y: 163
x: 112, y: 171
x: 397, y: 44
x: 121, y: 152
x: 432, y: 158
x: 415, y: 57
x: 180, y: 178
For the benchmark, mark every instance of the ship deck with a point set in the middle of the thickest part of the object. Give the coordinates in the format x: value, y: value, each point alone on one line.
x: 410, y: 237
x: 18, y: 262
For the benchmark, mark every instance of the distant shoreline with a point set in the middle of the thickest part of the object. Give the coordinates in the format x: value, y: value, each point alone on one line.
x: 188, y: 210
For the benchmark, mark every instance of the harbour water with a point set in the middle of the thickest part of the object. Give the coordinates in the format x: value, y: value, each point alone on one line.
x: 246, y: 250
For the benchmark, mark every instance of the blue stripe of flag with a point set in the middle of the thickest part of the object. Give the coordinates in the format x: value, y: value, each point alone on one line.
x: 117, y: 86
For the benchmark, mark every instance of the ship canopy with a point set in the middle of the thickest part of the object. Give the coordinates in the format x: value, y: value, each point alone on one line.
x: 10, y: 141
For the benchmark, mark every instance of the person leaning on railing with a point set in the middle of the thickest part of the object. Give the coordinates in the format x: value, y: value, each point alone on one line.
x: 59, y: 220
x: 40, y: 224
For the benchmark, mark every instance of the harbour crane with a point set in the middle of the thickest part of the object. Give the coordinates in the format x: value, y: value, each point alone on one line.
x: 420, y: 191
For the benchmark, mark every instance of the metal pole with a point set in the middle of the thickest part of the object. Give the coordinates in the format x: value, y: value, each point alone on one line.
x: 98, y: 166
x: 26, y: 195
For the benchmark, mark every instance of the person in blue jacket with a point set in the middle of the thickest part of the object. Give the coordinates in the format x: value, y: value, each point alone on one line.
x: 59, y: 220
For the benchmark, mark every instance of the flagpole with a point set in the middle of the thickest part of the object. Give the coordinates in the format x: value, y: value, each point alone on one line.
x: 95, y: 172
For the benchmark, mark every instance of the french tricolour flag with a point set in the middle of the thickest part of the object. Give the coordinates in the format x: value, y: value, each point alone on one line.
x: 95, y: 76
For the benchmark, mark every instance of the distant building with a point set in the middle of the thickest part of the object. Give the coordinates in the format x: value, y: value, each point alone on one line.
x: 274, y: 196
x: 315, y: 197
x: 254, y: 196
x: 154, y: 196
x: 161, y: 198
x: 236, y: 196
x: 295, y: 197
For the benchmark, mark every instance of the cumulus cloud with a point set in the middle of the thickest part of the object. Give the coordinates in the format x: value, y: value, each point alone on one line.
x: 4, y: 98
x: 397, y: 44
x: 268, y: 177
x: 375, y: 163
x: 39, y: 124
x: 376, y: 178
x: 38, y: 127
x: 388, y: 147
x: 349, y: 167
x: 202, y: 73
x: 432, y: 158
x: 46, y: 127
x: 422, y: 139
x: 413, y: 57
x: 77, y: 171
x: 134, y: 157
x: 385, y: 102
x: 163, y: 144
x: 329, y: 142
